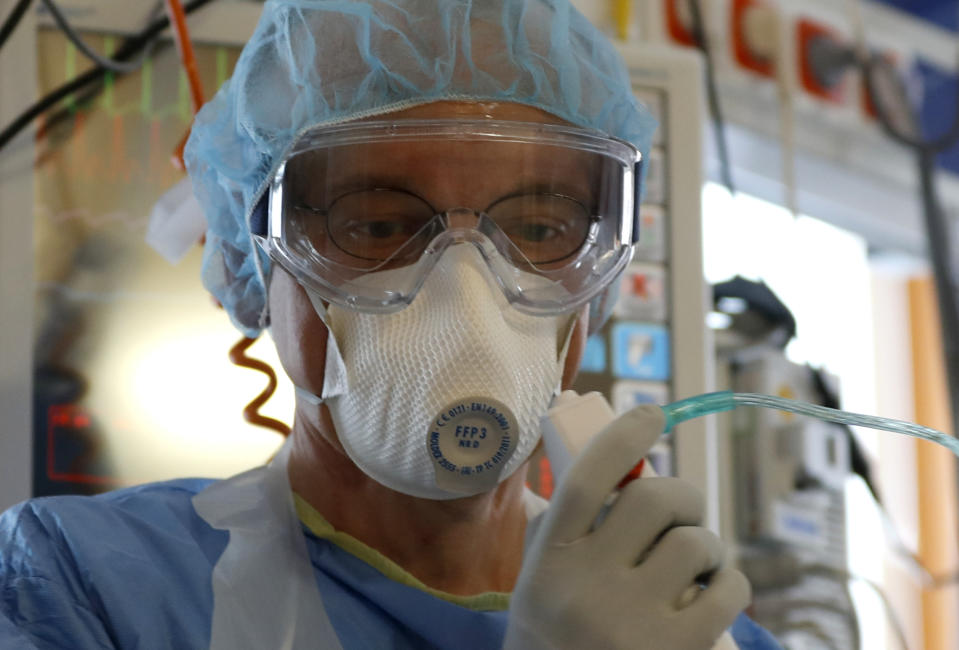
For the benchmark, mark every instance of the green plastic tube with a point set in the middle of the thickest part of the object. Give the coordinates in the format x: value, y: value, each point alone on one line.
x: 694, y: 407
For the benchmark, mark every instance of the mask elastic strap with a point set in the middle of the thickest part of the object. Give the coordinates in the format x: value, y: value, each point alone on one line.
x: 564, y: 351
x: 335, y: 376
x: 318, y: 305
x: 310, y: 398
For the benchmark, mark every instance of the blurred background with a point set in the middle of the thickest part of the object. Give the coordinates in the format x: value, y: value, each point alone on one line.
x: 797, y: 240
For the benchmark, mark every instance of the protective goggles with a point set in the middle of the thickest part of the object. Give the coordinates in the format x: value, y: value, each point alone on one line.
x: 360, y: 213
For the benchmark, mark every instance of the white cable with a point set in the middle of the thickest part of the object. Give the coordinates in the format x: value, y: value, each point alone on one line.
x: 787, y: 118
x: 767, y: 35
x: 913, y: 563
x: 854, y: 15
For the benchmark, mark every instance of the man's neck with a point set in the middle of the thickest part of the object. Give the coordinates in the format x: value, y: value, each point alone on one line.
x: 461, y: 546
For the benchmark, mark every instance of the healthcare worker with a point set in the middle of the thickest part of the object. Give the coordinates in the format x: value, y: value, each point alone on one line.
x: 428, y: 204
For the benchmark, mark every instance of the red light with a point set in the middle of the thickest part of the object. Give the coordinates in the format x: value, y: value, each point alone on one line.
x: 58, y: 415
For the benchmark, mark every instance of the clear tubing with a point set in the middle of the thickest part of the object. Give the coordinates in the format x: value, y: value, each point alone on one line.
x: 694, y: 407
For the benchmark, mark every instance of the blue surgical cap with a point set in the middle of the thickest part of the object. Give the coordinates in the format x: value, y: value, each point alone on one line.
x: 316, y: 62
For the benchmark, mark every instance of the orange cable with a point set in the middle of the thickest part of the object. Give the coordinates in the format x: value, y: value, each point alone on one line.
x: 184, y: 47
x: 251, y: 413
x: 176, y: 158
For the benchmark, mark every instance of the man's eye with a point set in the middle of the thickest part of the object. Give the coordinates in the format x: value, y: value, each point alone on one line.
x: 378, y: 229
x: 536, y: 232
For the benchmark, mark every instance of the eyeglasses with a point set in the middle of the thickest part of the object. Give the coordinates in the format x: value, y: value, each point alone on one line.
x: 371, y: 226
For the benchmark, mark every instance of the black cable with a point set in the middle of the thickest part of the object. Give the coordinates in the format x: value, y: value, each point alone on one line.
x: 940, y: 240
x: 92, y: 90
x: 13, y: 20
x: 126, y: 51
x: 112, y: 65
x: 719, y: 124
x: 45, y: 103
x: 938, y: 234
x: 869, y: 66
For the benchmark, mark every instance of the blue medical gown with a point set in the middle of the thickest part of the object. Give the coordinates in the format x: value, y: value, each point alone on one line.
x: 132, y: 569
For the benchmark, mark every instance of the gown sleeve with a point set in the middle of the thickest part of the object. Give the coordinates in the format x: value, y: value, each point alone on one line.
x: 42, y: 601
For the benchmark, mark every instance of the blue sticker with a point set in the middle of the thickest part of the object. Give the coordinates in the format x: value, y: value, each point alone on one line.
x: 641, y: 351
x: 594, y: 356
x: 628, y: 394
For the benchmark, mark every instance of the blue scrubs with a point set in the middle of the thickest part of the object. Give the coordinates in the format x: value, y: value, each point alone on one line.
x: 132, y: 569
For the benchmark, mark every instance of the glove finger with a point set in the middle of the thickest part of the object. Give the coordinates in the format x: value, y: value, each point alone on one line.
x: 727, y: 594
x: 598, y: 470
x: 683, y: 554
x: 644, y: 510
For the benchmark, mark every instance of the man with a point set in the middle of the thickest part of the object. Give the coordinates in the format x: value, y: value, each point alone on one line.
x: 428, y: 203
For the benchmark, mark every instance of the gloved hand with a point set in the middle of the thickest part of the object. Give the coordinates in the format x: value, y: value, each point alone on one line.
x: 625, y: 583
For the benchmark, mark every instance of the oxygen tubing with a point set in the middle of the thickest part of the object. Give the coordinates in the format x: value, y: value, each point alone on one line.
x: 694, y: 407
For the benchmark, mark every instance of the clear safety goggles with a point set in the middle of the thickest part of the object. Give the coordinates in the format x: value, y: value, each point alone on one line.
x: 361, y: 213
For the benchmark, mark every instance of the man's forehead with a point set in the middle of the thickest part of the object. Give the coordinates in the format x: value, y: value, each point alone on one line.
x: 481, y: 162
x: 457, y: 151
x: 461, y: 152
x: 475, y: 163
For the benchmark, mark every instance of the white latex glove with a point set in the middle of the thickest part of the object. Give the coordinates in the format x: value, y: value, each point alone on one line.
x: 625, y: 583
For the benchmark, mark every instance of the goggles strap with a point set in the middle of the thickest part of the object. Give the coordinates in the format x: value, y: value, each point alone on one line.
x: 258, y: 227
x: 259, y: 216
x: 637, y: 197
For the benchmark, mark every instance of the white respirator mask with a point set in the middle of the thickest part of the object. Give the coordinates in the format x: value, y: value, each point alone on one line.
x: 442, y: 399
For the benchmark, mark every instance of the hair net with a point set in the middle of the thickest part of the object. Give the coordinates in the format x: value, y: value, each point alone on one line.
x: 315, y: 62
